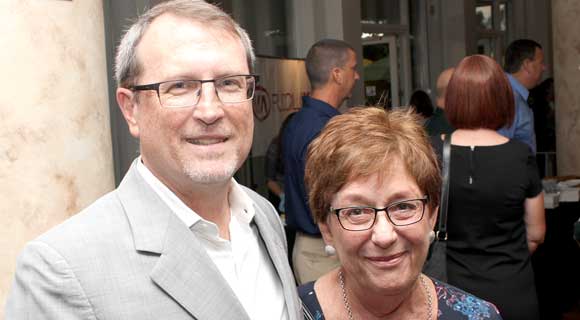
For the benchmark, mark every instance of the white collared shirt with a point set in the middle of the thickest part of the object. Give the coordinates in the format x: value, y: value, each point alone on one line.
x: 243, y: 260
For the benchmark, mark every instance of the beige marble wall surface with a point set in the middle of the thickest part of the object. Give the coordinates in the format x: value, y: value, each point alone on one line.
x: 566, y: 26
x: 55, y: 143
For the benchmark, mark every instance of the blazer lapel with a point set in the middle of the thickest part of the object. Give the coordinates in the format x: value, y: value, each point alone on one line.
x: 187, y: 273
x: 184, y: 270
x: 279, y: 259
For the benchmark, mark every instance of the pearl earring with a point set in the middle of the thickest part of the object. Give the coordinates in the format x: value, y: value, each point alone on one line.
x: 431, y: 236
x: 329, y: 250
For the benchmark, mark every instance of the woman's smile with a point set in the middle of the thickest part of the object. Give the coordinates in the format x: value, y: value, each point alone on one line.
x: 387, y: 261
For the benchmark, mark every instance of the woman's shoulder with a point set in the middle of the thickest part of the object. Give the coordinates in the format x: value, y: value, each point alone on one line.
x: 513, y: 152
x: 520, y: 147
x: 310, y: 305
x: 456, y: 304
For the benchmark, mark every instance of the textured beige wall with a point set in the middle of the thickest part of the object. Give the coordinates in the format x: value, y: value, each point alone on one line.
x: 565, y: 28
x: 55, y: 143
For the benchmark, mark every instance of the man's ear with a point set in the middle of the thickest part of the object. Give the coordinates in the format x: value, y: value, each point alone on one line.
x: 337, y: 75
x: 126, y: 102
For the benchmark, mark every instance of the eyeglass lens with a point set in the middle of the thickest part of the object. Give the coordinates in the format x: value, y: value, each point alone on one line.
x: 186, y: 93
x: 400, y: 214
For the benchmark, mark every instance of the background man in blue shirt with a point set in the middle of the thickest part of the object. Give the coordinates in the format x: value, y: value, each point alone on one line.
x: 524, y: 64
x: 331, y: 68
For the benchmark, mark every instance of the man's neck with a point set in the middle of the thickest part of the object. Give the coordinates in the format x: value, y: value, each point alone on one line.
x: 327, y: 95
x: 523, y: 79
x: 210, y: 201
x: 212, y: 204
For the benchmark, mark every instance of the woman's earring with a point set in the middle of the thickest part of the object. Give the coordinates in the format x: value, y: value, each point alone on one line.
x: 431, y: 236
x: 330, y: 251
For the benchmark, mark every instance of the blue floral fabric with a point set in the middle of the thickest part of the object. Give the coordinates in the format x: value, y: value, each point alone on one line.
x: 453, y: 304
x: 456, y: 304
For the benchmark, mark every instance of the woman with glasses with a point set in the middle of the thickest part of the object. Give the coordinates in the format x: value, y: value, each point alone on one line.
x: 374, y: 186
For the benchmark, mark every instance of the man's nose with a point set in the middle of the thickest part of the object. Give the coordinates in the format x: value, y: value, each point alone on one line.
x: 209, y: 107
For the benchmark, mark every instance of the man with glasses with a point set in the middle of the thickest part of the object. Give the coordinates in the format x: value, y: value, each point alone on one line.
x: 331, y: 67
x: 179, y: 238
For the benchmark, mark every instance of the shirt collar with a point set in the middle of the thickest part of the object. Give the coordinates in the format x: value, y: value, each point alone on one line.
x: 518, y: 87
x: 241, y: 206
x: 320, y: 106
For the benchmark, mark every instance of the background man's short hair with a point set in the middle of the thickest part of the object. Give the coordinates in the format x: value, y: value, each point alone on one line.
x: 517, y: 52
x: 322, y: 57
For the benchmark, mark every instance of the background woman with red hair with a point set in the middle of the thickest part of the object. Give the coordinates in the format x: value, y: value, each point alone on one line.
x: 496, y: 208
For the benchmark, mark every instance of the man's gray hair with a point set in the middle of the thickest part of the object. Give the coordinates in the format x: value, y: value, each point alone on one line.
x: 128, y: 68
x: 322, y: 57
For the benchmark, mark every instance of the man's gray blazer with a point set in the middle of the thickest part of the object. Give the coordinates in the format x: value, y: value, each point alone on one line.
x: 127, y: 256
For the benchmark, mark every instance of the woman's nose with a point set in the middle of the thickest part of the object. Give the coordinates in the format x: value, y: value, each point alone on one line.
x: 383, y: 232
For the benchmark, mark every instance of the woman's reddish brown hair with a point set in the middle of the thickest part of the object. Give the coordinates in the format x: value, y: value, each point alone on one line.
x: 479, y: 95
x: 367, y: 141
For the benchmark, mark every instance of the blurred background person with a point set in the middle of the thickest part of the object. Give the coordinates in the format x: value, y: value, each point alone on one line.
x: 331, y: 68
x: 577, y: 231
x: 496, y: 207
x: 438, y: 123
x: 541, y: 101
x: 422, y: 104
x: 374, y: 186
x: 274, y: 168
x: 524, y: 65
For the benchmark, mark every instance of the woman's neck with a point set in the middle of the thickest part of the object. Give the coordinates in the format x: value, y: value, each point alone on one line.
x: 477, y: 137
x: 409, y: 304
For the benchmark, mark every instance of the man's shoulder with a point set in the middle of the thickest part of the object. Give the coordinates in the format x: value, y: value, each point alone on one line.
x: 303, y: 128
x: 105, y: 215
x: 313, y: 119
x: 308, y: 114
x: 317, y: 108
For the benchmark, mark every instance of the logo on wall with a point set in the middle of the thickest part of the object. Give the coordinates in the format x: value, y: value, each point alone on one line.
x: 261, y: 103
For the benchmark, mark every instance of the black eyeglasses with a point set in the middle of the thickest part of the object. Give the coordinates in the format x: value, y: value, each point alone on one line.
x: 186, y: 93
x: 400, y: 213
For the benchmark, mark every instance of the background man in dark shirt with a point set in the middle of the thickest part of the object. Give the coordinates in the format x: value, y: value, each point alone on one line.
x: 331, y: 68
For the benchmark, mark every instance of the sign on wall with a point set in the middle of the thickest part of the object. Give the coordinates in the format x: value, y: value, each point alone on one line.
x: 279, y: 92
